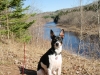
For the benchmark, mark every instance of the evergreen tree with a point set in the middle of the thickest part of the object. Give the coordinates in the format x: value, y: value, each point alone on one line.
x: 17, y: 19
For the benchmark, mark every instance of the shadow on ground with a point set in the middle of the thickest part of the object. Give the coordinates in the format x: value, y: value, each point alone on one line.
x: 27, y: 71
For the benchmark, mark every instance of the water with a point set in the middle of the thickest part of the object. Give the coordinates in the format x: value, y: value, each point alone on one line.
x: 71, y: 41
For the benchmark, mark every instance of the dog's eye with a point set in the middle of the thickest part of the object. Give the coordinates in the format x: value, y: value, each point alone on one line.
x: 60, y: 39
x: 54, y: 40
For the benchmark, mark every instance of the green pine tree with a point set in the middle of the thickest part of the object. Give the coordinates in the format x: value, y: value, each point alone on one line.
x: 16, y: 19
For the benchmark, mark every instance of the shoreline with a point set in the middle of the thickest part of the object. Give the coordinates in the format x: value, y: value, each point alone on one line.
x: 86, y: 30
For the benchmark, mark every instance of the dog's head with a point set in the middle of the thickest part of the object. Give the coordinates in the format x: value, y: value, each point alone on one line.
x: 57, y: 40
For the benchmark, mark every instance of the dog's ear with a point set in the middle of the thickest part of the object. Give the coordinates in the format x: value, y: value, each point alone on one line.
x: 51, y: 34
x: 62, y: 33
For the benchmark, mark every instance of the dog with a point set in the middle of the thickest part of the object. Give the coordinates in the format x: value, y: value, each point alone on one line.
x: 50, y: 63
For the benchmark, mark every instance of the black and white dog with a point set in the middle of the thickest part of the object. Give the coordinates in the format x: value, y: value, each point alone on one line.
x: 51, y: 61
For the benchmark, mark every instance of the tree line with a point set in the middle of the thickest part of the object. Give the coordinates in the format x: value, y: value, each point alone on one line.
x: 90, y: 7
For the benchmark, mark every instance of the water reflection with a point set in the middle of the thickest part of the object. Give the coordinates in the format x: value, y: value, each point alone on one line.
x: 71, y: 41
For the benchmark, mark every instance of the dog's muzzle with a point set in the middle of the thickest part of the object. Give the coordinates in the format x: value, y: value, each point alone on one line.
x: 57, y: 44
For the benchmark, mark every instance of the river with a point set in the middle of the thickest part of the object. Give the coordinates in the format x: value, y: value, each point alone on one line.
x: 71, y: 41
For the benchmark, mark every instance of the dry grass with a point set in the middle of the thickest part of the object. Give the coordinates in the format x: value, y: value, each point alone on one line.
x: 77, y: 65
x: 72, y: 22
x: 12, y: 56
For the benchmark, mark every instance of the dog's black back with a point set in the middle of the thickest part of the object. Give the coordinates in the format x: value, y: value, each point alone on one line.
x: 45, y: 58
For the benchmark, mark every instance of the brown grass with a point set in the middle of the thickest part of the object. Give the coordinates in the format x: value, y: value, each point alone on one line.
x: 12, y: 56
x: 72, y: 22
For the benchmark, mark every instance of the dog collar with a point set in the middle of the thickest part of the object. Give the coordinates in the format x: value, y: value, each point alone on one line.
x: 57, y: 53
x: 57, y: 56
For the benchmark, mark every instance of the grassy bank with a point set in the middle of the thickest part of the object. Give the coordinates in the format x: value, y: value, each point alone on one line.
x: 86, y: 22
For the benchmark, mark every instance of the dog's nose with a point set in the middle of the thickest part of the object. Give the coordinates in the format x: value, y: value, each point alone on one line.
x: 57, y: 44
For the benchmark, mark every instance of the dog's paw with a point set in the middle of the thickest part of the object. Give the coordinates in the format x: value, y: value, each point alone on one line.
x: 54, y: 72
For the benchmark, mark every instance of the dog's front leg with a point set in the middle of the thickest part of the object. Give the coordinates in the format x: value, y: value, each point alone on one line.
x: 50, y: 72
x: 59, y: 71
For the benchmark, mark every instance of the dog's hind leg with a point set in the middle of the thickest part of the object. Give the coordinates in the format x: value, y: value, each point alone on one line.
x: 40, y: 72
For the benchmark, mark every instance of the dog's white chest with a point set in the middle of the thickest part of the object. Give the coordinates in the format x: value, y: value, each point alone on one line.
x: 55, y: 61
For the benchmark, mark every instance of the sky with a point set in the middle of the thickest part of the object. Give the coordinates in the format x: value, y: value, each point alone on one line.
x: 53, y: 5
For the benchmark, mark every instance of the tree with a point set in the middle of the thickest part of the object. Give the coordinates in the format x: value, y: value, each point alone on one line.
x: 56, y: 19
x: 17, y: 24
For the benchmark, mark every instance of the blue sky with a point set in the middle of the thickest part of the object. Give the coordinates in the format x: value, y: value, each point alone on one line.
x: 53, y: 5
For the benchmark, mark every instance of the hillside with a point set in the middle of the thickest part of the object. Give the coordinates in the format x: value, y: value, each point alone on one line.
x: 12, y: 58
x: 72, y: 19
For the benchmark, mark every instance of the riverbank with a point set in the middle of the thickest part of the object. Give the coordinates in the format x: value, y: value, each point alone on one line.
x: 12, y: 57
x: 74, y: 22
x: 89, y: 30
